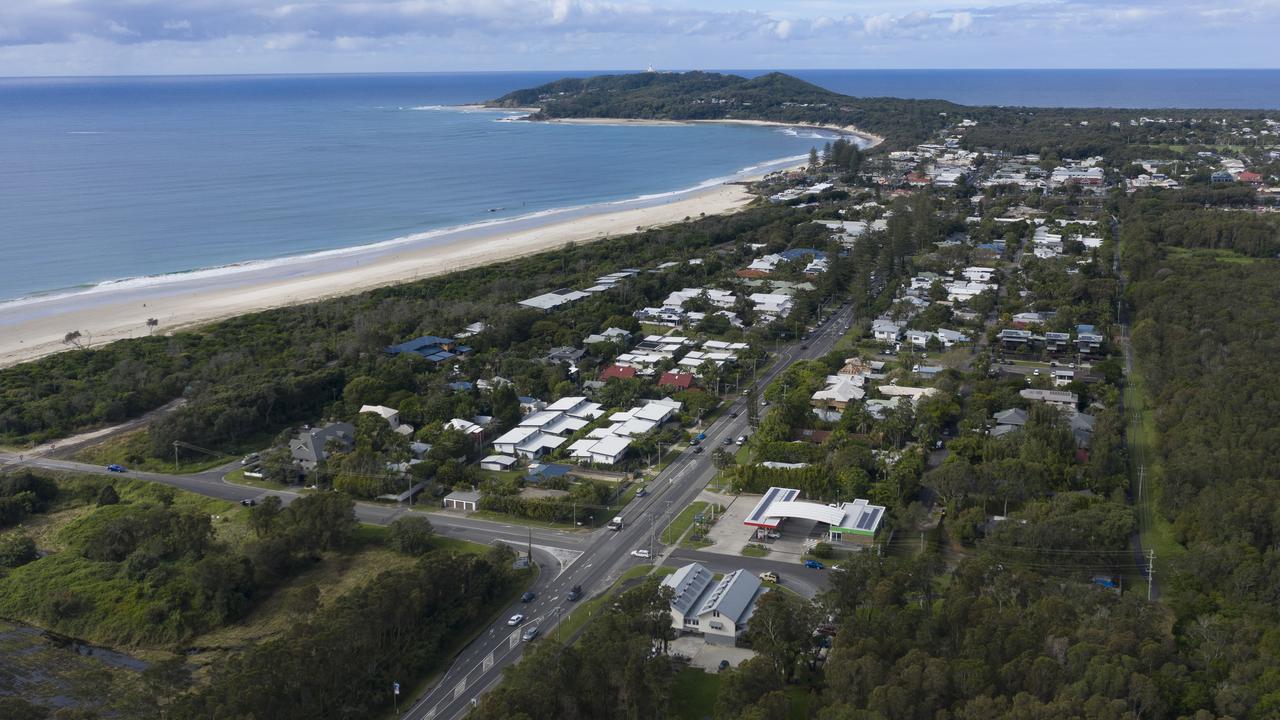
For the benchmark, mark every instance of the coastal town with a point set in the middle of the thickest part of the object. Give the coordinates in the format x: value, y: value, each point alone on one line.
x: 728, y: 444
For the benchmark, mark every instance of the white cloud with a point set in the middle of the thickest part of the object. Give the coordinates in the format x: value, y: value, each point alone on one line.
x: 960, y: 22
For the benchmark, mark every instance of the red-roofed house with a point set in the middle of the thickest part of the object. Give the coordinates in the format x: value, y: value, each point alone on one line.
x: 614, y: 371
x: 1252, y: 178
x: 680, y: 381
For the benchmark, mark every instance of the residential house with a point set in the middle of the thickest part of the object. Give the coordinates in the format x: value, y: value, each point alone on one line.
x: 1059, y: 398
x: 612, y: 334
x: 886, y: 330
x: 830, y: 402
x: 429, y: 347
x: 392, y: 417
x: 617, y: 371
x: 311, y: 446
x: 676, y: 380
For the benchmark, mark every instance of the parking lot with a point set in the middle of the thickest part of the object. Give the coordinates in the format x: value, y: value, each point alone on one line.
x: 707, y: 656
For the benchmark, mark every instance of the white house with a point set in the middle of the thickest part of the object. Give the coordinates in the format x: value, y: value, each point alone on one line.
x: 391, y: 415
x: 719, y: 611
x: 886, y: 330
x: 772, y: 305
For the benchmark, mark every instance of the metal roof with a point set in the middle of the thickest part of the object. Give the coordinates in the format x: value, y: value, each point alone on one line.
x: 688, y: 582
x: 732, y: 596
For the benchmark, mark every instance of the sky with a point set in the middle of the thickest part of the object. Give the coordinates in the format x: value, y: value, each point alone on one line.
x: 154, y: 37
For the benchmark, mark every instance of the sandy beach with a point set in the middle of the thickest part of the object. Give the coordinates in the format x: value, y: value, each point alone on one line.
x: 870, y: 140
x: 37, y: 326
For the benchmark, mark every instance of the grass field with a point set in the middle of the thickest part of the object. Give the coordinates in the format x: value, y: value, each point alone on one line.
x: 1226, y: 256
x: 1155, y: 531
x: 133, y: 450
x: 679, y: 527
x: 694, y: 696
x: 755, y: 551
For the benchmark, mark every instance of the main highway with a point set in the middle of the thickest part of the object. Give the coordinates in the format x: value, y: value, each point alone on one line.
x: 566, y: 558
x: 606, y: 554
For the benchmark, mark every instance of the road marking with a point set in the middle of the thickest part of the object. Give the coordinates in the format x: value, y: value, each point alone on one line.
x: 514, y: 640
x: 460, y: 688
x: 488, y: 662
x: 430, y: 714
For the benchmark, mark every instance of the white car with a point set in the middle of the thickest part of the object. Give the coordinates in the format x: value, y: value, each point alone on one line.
x: 640, y: 553
x: 516, y: 619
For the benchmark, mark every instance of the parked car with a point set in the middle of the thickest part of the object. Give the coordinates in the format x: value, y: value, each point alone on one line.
x: 769, y: 576
x: 742, y: 439
x: 515, y: 619
x: 640, y: 553
x: 528, y: 597
x: 804, y: 347
x: 530, y: 633
x: 575, y: 594
x: 724, y: 665
x: 641, y: 492
x: 115, y: 468
x: 248, y: 502
x: 813, y: 564
x: 249, y: 459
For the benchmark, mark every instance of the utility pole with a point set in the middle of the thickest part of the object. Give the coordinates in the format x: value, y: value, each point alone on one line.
x: 531, y: 546
x: 1151, y: 572
x: 175, y: 456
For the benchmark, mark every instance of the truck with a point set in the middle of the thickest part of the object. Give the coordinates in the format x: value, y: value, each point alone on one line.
x: 616, y: 524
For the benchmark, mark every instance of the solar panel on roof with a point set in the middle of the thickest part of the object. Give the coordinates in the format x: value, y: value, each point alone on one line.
x: 868, y: 519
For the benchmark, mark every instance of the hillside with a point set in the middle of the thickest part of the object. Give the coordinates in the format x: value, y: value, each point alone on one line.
x: 714, y: 96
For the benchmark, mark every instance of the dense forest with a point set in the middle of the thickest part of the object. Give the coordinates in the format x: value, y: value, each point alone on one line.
x: 778, y: 97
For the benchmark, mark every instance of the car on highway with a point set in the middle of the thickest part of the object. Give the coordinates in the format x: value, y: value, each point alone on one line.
x: 515, y: 619
x: 575, y: 594
x: 530, y: 633
x: 248, y: 502
x: 813, y: 564
x: 733, y: 414
x: 640, y: 553
x: 528, y: 597
x: 727, y: 441
x: 697, y: 450
x: 804, y: 347
x: 770, y: 576
x: 116, y: 468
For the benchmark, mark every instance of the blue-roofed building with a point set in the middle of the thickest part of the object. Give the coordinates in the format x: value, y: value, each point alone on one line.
x: 430, y: 347
x: 802, y: 253
x: 543, y: 471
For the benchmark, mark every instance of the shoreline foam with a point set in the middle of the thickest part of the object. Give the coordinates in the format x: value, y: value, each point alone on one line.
x: 34, y: 326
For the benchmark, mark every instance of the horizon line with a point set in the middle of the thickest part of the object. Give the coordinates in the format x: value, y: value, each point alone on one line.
x: 633, y: 71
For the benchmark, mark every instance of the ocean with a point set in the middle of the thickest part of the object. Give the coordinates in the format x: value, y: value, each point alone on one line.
x: 131, y: 180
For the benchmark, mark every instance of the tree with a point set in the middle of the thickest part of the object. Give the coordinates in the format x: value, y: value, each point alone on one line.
x: 410, y: 534
x: 323, y: 521
x: 16, y: 550
x: 813, y: 158
x: 782, y: 630
x: 264, y: 516
x: 108, y: 496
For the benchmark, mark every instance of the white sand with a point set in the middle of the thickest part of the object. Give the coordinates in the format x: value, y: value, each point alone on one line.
x: 30, y: 331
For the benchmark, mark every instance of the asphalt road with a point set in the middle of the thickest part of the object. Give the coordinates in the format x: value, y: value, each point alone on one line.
x: 592, y: 560
x: 607, y: 554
